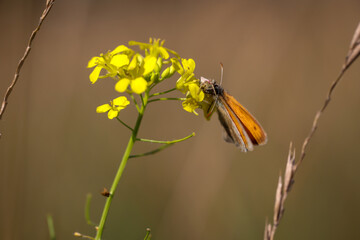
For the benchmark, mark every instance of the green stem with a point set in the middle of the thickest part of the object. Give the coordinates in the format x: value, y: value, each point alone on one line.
x: 127, y: 126
x: 166, y: 142
x: 148, y: 234
x: 165, y: 99
x: 161, y: 93
x: 121, y: 168
x: 87, y: 210
x: 151, y: 152
x: 134, y: 100
x: 51, y: 227
x: 142, y: 99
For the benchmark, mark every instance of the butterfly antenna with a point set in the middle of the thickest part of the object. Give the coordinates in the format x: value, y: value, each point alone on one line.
x: 212, y: 107
x: 222, y: 73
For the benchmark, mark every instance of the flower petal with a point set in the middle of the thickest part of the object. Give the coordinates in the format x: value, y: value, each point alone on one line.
x: 195, y: 92
x: 180, y: 85
x: 140, y: 44
x: 122, y: 85
x: 188, y: 64
x: 103, y: 108
x: 121, y: 101
x: 191, y: 64
x: 138, y: 85
x: 193, y: 88
x: 163, y: 53
x: 190, y: 105
x: 112, y: 114
x: 119, y: 49
x: 93, y: 62
x: 150, y: 62
x: 201, y: 96
x: 133, y: 63
x: 94, y: 75
x: 176, y: 64
x: 120, y: 60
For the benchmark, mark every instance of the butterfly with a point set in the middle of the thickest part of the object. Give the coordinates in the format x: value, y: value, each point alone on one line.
x: 241, y: 128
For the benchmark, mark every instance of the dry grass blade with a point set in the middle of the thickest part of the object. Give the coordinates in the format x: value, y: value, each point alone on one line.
x: 284, y: 188
x: 267, y: 230
x: 354, y: 50
x: 278, y: 198
x: 49, y: 4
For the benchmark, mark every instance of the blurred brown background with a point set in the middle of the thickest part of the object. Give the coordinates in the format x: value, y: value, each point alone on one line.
x: 280, y: 58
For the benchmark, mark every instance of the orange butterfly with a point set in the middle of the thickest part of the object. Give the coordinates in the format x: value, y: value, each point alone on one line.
x: 240, y: 126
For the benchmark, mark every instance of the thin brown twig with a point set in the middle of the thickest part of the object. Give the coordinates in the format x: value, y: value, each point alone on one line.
x: 284, y: 186
x: 49, y: 4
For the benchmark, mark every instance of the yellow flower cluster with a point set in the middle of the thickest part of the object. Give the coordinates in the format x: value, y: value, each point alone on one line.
x: 188, y: 84
x: 118, y: 66
x: 135, y: 73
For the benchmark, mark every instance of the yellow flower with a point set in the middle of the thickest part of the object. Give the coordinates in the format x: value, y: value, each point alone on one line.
x: 190, y: 105
x: 114, y: 107
x: 138, y: 85
x: 188, y: 84
x: 193, y: 99
x: 154, y: 48
x: 111, y: 61
x: 136, y: 71
x: 196, y: 93
x: 187, y: 73
x: 149, y: 64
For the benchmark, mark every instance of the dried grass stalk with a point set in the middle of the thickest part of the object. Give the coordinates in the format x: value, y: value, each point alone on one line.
x: 282, y: 190
x: 49, y: 4
x: 284, y: 187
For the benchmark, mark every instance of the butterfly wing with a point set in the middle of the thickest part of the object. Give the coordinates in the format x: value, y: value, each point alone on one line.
x: 252, y: 127
x: 234, y: 131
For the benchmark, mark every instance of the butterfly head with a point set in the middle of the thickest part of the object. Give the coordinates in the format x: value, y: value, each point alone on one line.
x: 210, y: 87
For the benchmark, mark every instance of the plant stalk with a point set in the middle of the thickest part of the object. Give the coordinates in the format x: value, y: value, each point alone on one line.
x: 121, y: 168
